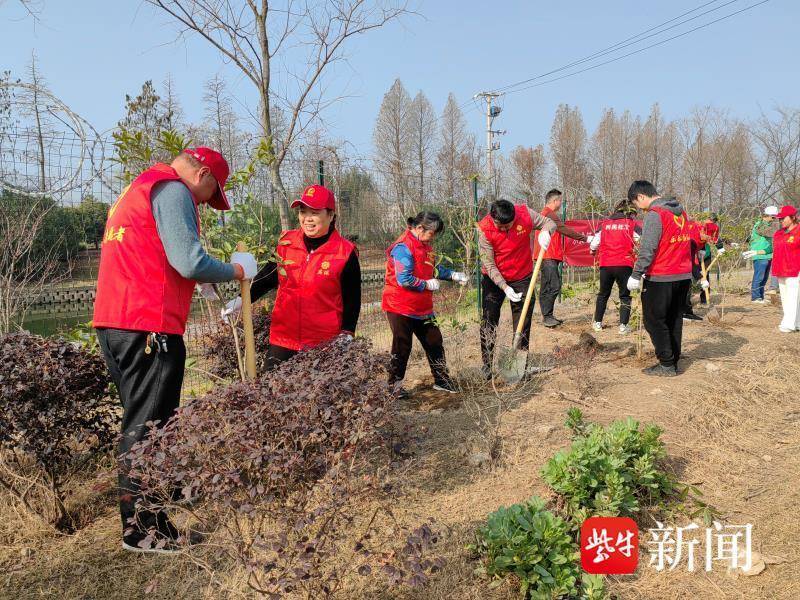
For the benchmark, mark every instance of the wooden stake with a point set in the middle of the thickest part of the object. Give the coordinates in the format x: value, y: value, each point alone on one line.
x: 247, y: 320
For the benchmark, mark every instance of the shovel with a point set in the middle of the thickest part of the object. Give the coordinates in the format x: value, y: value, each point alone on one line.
x: 712, y: 314
x: 513, y: 363
x: 247, y: 322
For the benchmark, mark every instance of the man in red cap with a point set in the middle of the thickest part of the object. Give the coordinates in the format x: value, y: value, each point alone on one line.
x: 150, y: 261
x: 318, y: 277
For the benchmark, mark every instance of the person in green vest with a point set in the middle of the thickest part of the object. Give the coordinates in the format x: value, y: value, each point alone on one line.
x: 761, y: 252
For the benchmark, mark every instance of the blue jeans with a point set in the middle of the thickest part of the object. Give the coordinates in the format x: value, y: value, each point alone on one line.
x: 760, y: 277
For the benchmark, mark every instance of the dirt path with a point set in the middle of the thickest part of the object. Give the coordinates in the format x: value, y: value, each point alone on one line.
x: 731, y: 422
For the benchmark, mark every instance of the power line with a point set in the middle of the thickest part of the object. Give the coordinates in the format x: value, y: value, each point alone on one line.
x: 626, y: 42
x: 659, y: 43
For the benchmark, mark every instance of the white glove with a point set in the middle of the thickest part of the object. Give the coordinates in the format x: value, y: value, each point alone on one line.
x: 594, y: 243
x: 749, y: 254
x: 636, y: 237
x: 704, y: 284
x: 232, y: 309
x: 432, y: 284
x: 207, y: 291
x: 247, y: 262
x: 544, y: 239
x: 512, y: 295
x: 459, y: 278
x: 633, y: 283
x: 720, y: 251
x: 701, y: 254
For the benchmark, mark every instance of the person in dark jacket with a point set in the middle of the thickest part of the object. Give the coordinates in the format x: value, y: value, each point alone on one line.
x: 663, y: 271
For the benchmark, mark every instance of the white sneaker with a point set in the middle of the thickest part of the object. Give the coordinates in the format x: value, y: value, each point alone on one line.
x: 597, y: 326
x: 783, y: 329
x: 759, y: 301
x: 624, y: 329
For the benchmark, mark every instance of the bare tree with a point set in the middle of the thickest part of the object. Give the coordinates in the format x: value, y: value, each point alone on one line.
x: 256, y: 36
x: 25, y: 266
x: 422, y: 121
x: 394, y: 151
x: 528, y: 166
x: 452, y: 145
x: 605, y: 157
x: 568, y: 148
x: 778, y: 138
x: 35, y: 109
x: 171, y: 105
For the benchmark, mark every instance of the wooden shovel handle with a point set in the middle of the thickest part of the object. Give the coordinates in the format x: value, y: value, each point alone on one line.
x: 247, y: 321
x: 528, y: 296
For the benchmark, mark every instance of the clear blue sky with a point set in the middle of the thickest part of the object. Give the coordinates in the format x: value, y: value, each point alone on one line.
x: 93, y: 52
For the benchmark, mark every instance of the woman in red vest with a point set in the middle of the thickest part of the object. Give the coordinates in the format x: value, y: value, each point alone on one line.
x: 411, y: 278
x: 615, y: 248
x: 318, y: 277
x: 786, y: 267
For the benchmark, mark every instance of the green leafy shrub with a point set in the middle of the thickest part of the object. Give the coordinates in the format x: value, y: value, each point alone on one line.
x: 538, y: 548
x: 57, y: 414
x: 609, y: 471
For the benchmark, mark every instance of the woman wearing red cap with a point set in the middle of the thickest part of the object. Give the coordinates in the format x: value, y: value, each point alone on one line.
x: 786, y: 267
x: 318, y: 277
x: 411, y: 279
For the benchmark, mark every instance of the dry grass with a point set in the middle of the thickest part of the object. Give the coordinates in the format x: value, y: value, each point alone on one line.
x: 733, y: 430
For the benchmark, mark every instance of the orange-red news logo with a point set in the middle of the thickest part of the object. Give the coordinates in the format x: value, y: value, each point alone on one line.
x: 609, y: 545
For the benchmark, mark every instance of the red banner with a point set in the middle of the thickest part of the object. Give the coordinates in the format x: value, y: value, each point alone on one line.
x: 576, y: 254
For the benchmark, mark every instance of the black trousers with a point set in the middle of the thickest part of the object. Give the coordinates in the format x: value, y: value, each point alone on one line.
x: 550, y: 286
x: 276, y: 355
x: 697, y: 274
x: 608, y: 277
x: 149, y: 387
x: 493, y: 298
x: 429, y: 335
x: 663, y: 304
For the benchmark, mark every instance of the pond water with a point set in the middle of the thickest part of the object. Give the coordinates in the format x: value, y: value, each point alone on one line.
x: 54, y: 323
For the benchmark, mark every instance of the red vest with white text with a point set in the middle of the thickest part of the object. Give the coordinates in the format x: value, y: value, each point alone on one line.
x: 674, y: 252
x: 308, y: 307
x: 512, y: 248
x: 403, y: 301
x: 137, y: 288
x: 616, y: 243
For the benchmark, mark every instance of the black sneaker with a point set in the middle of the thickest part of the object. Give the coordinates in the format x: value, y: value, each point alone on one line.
x: 445, y: 386
x: 551, y: 322
x: 692, y: 317
x: 660, y: 370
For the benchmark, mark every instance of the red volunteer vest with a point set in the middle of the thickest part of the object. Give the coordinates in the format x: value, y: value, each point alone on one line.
x: 308, y: 307
x: 786, y: 252
x: 400, y: 300
x: 674, y: 252
x: 711, y: 229
x: 695, y: 228
x: 555, y: 251
x: 137, y: 288
x: 512, y: 248
x: 616, y: 243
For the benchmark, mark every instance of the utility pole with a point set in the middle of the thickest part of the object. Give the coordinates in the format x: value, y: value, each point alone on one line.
x: 491, y: 112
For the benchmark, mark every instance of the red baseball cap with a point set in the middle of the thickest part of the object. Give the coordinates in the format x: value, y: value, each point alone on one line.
x: 316, y: 197
x: 787, y: 211
x: 219, y: 169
